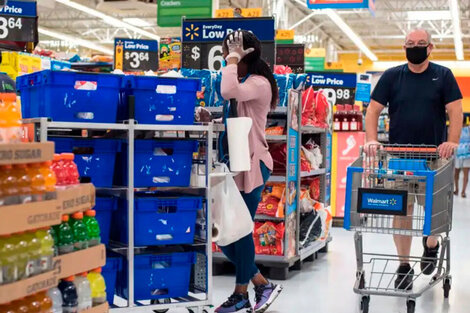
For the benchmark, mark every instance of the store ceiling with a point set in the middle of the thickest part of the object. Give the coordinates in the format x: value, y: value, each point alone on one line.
x: 382, y: 33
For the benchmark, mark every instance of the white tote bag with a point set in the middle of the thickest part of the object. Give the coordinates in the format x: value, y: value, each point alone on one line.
x: 231, y: 219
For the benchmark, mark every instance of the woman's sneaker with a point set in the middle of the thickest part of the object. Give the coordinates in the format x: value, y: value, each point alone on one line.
x: 265, y: 296
x: 236, y: 303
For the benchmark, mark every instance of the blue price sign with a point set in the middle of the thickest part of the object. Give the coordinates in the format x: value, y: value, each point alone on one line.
x: 202, y: 39
x: 382, y: 201
x: 339, y: 88
x: 132, y: 55
x: 18, y: 23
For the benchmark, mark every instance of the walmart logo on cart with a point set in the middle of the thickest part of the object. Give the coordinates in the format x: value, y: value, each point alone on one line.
x: 383, y: 202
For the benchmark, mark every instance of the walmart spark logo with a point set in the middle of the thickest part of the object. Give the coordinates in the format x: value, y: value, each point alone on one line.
x: 192, y: 32
x: 393, y: 201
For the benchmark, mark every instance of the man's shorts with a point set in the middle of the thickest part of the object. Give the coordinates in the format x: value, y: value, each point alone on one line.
x: 462, y: 163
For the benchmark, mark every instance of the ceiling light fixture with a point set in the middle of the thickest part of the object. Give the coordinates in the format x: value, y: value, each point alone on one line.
x: 108, y: 19
x: 75, y: 40
x: 435, y: 15
x: 458, y: 44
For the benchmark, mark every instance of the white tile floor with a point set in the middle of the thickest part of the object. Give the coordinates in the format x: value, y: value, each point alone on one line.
x: 326, y: 284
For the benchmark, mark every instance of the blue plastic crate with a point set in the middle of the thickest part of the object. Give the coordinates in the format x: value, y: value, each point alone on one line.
x: 162, y: 100
x: 159, y: 221
x: 110, y: 272
x: 70, y: 96
x: 95, y: 158
x: 159, y: 163
x: 160, y: 276
x: 104, y: 210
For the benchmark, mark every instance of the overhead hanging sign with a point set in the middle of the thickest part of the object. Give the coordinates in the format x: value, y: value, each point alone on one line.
x: 245, y: 12
x: 339, y: 88
x: 341, y: 4
x: 291, y: 55
x: 170, y: 12
x: 18, y: 24
x: 202, y: 39
x: 135, y: 55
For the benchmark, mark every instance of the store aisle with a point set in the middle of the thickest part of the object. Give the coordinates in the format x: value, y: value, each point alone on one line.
x: 326, y: 285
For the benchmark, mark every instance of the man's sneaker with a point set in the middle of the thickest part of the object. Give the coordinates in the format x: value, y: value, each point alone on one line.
x: 429, y: 260
x: 405, y: 276
x: 236, y: 303
x: 265, y: 296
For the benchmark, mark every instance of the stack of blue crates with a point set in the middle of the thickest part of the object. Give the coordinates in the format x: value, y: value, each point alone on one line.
x: 102, y: 98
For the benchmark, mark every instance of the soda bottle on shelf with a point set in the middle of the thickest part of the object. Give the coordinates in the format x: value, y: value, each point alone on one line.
x: 53, y: 232
x: 80, y: 232
x: 8, y: 308
x: 69, y: 295
x: 33, y: 304
x: 23, y: 181
x: 50, y: 179
x: 34, y: 254
x: 8, y: 184
x: 21, y: 306
x: 38, y: 182
x: 98, y: 286
x: 65, y: 236
x: 47, y: 249
x: 10, y: 121
x: 45, y: 301
x: 70, y: 169
x: 22, y: 254
x: 56, y: 297
x: 93, y: 228
x: 8, y: 259
x: 58, y: 169
x: 84, y: 292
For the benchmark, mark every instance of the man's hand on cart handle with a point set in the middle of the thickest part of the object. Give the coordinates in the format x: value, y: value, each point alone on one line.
x: 447, y: 149
x: 371, y: 146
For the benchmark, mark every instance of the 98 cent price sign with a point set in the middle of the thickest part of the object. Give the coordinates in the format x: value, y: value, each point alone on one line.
x: 202, y: 40
x: 132, y: 55
x: 18, y: 24
x: 339, y: 88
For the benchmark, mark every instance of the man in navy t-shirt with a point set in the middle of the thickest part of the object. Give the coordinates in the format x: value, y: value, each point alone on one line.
x: 418, y: 96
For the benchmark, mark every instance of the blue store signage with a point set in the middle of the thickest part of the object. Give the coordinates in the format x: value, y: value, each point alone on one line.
x: 341, y: 4
x: 363, y: 89
x: 135, y: 55
x: 332, y: 79
x: 18, y: 24
x: 382, y: 201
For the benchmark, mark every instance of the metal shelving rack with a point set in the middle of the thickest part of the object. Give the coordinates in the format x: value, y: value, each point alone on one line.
x: 279, y: 265
x: 194, y: 303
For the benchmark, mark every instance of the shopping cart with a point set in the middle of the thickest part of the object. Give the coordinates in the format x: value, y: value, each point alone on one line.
x: 399, y: 190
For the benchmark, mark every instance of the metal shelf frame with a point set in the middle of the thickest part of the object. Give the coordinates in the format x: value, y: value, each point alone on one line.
x: 42, y: 128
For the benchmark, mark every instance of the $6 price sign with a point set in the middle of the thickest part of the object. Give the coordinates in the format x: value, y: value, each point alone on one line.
x: 214, y: 57
x: 137, y: 58
x: 9, y: 23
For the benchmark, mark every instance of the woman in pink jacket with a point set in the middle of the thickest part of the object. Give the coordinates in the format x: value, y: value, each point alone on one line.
x: 249, y: 80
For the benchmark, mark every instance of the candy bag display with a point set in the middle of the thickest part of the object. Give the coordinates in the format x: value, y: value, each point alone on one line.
x: 282, y: 69
x: 308, y: 107
x: 279, y: 152
x: 269, y: 238
x: 322, y: 110
x: 284, y: 83
x: 271, y: 200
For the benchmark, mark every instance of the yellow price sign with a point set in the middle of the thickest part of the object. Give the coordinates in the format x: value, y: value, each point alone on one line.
x: 252, y: 12
x: 285, y: 34
x: 224, y: 13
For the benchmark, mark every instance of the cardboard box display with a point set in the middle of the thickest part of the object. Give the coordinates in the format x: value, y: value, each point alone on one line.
x: 33, y: 215
x: 26, y: 287
x: 76, y: 198
x: 26, y: 152
x: 80, y: 261
x: 102, y: 308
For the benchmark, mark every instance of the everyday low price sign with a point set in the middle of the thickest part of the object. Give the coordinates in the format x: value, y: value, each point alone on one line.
x: 132, y: 55
x: 339, y: 88
x: 18, y: 24
x: 202, y: 39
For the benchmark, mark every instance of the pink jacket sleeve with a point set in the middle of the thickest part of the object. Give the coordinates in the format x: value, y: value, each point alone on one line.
x: 231, y: 88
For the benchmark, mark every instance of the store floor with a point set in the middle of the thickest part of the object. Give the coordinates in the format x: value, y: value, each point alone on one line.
x: 326, y: 284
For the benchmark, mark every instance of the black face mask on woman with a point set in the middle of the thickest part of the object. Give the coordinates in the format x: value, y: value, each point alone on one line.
x: 417, y: 55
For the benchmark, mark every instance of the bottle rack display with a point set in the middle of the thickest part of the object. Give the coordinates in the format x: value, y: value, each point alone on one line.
x: 283, y: 233
x: 183, y: 260
x: 32, y: 203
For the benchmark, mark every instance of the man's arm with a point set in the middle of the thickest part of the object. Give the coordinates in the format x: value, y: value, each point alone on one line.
x: 372, y: 120
x: 455, y: 112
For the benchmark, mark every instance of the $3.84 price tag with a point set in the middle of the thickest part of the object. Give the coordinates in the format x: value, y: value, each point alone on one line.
x: 9, y: 23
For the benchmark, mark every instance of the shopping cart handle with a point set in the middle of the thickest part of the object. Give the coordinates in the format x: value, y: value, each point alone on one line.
x: 411, y: 149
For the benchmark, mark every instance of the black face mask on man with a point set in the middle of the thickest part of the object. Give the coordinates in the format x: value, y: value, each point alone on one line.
x: 417, y: 55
